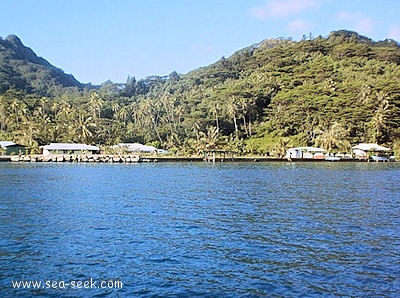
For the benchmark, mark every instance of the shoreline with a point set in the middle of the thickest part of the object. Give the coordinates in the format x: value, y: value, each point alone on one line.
x: 109, y: 158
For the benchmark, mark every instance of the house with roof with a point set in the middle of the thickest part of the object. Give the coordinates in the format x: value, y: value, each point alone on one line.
x: 11, y: 148
x: 306, y: 152
x: 69, y: 148
x: 138, y: 148
x: 135, y: 147
x: 373, y: 150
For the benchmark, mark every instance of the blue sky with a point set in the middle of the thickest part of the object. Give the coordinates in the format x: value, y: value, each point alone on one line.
x: 99, y: 40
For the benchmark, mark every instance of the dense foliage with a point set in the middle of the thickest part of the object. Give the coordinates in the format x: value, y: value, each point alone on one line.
x: 332, y: 92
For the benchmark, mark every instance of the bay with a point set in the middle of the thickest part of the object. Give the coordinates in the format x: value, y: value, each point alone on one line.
x: 195, y: 229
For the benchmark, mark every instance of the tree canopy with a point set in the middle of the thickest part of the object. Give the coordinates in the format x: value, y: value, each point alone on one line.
x: 331, y: 91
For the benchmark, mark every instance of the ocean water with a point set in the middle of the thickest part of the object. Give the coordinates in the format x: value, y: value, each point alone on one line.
x: 200, y: 230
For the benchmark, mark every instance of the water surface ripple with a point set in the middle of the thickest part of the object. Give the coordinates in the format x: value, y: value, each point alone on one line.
x: 186, y: 230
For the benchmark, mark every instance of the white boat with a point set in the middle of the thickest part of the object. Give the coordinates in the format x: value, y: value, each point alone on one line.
x: 332, y: 158
x: 379, y: 158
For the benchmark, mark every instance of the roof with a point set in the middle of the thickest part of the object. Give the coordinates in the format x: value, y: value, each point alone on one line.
x: 135, y: 147
x: 69, y: 146
x: 5, y: 144
x: 310, y: 149
x: 370, y: 147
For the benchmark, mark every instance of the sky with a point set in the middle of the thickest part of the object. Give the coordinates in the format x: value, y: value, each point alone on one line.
x: 100, y: 40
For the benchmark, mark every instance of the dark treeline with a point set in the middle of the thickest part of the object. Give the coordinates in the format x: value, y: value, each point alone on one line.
x: 332, y: 92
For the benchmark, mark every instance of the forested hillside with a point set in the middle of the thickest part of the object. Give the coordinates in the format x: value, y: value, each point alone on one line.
x: 332, y: 92
x: 22, y: 69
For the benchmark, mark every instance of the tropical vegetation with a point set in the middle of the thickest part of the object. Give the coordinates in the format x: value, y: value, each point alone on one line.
x: 332, y: 92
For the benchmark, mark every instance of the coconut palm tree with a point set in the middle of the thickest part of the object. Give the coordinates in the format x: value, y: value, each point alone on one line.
x: 379, y: 120
x: 233, y: 112
x: 14, y: 107
x: 28, y: 131
x: 122, y: 114
x: 95, y: 104
x: 332, y: 138
x: 4, y: 119
x: 83, y: 127
x: 115, y: 107
x: 208, y: 140
x: 281, y: 147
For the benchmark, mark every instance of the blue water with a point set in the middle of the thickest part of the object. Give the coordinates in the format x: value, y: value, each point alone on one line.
x: 186, y: 230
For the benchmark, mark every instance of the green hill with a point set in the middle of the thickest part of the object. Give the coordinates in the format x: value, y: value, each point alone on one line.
x: 329, y: 91
x: 22, y: 69
x: 332, y: 91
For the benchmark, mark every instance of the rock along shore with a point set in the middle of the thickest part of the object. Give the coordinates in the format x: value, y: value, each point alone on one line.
x: 108, y: 158
x: 93, y: 158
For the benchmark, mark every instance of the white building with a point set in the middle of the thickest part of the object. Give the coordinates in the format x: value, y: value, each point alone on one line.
x: 361, y: 150
x: 135, y: 147
x: 306, y: 152
x: 69, y: 148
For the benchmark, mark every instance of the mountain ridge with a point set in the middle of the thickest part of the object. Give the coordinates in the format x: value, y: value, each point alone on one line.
x: 23, y: 52
x: 22, y: 69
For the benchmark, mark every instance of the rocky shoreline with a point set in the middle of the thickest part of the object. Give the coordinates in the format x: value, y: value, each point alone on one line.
x: 90, y: 158
x: 109, y: 158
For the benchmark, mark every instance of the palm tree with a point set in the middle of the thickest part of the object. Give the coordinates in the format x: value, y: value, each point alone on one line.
x: 365, y: 94
x: 152, y: 115
x: 282, y: 146
x: 208, y: 140
x: 43, y: 121
x: 333, y: 137
x: 95, y: 104
x: 28, y: 131
x: 215, y: 110
x: 22, y: 111
x: 115, y: 107
x: 4, y: 119
x: 14, y: 108
x: 379, y: 120
x: 62, y: 109
x: 83, y: 127
x: 62, y: 128
x: 173, y: 141
x: 122, y: 114
x: 233, y: 111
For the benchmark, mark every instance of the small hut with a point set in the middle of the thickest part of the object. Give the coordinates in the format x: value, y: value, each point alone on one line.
x: 11, y: 148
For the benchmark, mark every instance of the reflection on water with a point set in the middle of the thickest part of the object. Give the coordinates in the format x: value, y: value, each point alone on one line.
x: 185, y: 229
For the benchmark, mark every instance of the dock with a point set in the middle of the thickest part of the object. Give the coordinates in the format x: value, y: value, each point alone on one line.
x: 5, y: 158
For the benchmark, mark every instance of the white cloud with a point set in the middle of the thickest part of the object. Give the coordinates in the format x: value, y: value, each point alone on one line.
x: 283, y: 8
x: 356, y: 21
x: 394, y: 32
x: 300, y: 26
